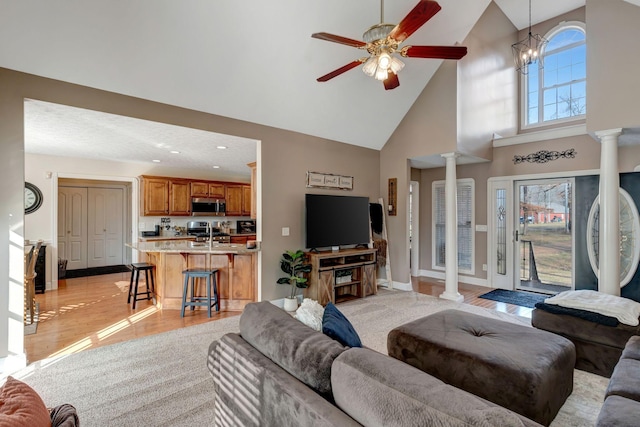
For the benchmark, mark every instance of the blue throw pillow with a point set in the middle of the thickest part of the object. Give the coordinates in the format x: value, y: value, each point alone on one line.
x: 336, y: 326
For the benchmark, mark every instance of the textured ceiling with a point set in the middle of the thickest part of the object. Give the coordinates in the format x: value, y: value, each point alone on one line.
x: 251, y: 60
x: 60, y: 130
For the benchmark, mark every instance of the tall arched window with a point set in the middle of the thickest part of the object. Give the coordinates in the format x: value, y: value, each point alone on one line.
x: 558, y: 92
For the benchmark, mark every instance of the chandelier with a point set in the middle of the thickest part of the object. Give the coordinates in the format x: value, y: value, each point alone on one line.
x: 528, y: 51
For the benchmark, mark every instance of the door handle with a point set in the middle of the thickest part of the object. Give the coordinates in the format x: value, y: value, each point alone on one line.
x: 516, y: 235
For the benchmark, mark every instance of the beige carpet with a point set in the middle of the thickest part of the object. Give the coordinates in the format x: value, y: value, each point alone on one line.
x: 162, y: 380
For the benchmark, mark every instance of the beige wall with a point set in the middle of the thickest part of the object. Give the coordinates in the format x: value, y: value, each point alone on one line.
x: 612, y: 65
x: 284, y: 159
x: 486, y: 84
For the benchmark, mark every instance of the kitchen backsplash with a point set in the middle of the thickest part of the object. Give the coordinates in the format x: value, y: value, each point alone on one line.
x: 177, y: 224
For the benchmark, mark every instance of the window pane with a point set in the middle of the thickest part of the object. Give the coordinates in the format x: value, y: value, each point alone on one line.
x: 565, y: 38
x: 564, y: 74
x: 550, y: 112
x: 550, y: 76
x: 550, y: 96
x: 533, y: 99
x: 465, y: 222
x: 564, y: 58
x: 550, y: 62
x: 579, y: 90
x: 533, y: 116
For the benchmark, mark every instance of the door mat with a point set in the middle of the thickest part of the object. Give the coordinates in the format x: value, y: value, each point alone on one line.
x: 523, y: 299
x: 96, y: 271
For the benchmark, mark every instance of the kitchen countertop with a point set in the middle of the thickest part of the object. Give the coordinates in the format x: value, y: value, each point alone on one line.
x: 177, y: 246
x: 153, y: 238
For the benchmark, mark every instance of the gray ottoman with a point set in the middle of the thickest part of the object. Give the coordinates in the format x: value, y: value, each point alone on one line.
x: 518, y: 367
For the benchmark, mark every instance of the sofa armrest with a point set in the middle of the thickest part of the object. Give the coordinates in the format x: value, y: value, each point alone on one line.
x: 251, y: 390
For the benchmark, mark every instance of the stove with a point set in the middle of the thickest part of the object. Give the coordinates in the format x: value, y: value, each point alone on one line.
x: 200, y: 230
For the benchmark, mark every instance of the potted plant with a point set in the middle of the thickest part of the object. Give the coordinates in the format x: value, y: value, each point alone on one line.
x: 293, y: 264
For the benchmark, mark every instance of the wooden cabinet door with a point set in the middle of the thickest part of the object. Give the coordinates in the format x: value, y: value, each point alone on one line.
x: 233, y: 198
x: 242, y: 278
x: 179, y: 197
x: 326, y: 281
x: 216, y: 189
x: 369, y: 285
x: 239, y: 239
x: 199, y: 189
x: 155, y: 196
x: 246, y: 200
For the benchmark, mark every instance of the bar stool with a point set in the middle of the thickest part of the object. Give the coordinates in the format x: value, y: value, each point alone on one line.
x: 204, y: 301
x: 136, y: 268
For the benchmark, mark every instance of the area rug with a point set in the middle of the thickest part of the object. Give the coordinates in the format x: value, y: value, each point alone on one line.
x: 523, y: 299
x: 162, y: 380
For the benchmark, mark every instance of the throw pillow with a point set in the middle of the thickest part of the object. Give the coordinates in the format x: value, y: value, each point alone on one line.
x: 338, y: 327
x: 310, y: 313
x: 20, y: 405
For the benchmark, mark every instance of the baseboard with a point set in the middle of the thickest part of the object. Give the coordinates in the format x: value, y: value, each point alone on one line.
x: 440, y: 275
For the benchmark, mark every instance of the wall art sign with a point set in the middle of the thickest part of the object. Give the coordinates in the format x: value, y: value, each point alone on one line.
x: 328, y: 180
x: 544, y: 156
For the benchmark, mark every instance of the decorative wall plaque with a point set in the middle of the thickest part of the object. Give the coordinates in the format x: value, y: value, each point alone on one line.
x: 544, y: 156
x: 393, y: 196
x: 328, y: 180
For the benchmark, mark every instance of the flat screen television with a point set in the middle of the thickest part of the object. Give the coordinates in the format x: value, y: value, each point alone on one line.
x: 336, y: 220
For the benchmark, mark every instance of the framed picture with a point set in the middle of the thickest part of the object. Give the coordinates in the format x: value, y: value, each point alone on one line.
x: 328, y: 180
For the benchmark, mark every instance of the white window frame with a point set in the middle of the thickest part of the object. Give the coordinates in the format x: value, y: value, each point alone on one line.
x: 469, y: 182
x: 524, y: 86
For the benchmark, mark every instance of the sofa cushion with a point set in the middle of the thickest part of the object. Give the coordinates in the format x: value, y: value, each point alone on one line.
x: 20, y: 405
x: 338, y: 327
x: 375, y: 389
x: 625, y: 380
x: 295, y: 347
x: 618, y: 411
x: 632, y: 348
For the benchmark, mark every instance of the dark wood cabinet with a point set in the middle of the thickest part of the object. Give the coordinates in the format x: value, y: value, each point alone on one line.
x: 40, y: 280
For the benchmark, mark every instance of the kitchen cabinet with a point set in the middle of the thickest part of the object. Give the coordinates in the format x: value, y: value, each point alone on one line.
x: 207, y: 189
x: 242, y: 238
x: 155, y: 196
x: 246, y: 200
x: 254, y: 196
x: 179, y: 197
x: 233, y: 199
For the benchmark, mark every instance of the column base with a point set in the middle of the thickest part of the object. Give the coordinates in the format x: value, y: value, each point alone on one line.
x: 452, y: 296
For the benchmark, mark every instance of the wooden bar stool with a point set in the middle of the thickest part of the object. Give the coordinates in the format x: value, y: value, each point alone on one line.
x: 136, y: 268
x: 212, y: 288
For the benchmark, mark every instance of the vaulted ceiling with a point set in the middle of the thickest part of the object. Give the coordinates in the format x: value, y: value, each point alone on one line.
x: 252, y: 60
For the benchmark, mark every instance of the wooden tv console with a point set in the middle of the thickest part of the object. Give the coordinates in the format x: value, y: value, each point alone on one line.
x: 329, y: 277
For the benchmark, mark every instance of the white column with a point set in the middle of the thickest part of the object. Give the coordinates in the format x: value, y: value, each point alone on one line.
x: 609, y: 227
x: 451, y: 230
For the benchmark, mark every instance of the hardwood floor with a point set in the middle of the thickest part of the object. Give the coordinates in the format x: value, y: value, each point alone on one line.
x: 91, y: 312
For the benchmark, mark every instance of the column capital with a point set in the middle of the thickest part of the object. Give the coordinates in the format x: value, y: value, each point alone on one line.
x: 601, y: 134
x: 452, y: 155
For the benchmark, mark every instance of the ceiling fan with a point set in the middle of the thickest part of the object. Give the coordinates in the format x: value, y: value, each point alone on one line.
x: 382, y: 42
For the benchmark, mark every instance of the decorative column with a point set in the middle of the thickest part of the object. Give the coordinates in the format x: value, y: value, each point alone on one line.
x: 609, y: 227
x: 451, y: 230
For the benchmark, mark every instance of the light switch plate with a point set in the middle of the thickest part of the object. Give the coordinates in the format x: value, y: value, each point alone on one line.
x: 285, y: 231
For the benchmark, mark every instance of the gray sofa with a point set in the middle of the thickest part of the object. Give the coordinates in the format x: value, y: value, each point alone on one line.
x: 622, y: 399
x: 278, y: 371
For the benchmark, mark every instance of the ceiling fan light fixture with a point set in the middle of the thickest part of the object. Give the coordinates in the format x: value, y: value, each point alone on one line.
x: 381, y: 74
x: 384, y: 61
x: 369, y: 67
x: 396, y: 65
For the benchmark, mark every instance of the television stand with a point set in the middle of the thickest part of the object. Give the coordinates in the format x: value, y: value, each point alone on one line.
x: 338, y: 276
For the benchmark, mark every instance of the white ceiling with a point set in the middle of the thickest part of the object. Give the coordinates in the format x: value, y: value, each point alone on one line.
x: 251, y: 60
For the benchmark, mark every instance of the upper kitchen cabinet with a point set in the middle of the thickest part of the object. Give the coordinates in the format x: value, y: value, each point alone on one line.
x: 207, y: 189
x: 155, y: 196
x: 179, y: 197
x: 254, y: 196
x: 246, y: 200
x: 233, y: 199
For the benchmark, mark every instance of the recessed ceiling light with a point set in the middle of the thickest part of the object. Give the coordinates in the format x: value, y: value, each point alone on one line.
x: 155, y: 161
x: 216, y: 167
x: 174, y: 152
x: 221, y: 147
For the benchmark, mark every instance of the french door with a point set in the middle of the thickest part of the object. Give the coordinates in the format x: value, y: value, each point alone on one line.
x: 543, y: 241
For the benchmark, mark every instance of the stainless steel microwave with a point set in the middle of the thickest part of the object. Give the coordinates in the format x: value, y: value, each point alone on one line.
x: 204, y: 206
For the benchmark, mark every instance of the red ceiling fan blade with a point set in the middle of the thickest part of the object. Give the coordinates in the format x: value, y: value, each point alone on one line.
x: 391, y: 82
x: 339, y: 71
x: 420, y: 14
x: 338, y: 39
x: 438, y: 52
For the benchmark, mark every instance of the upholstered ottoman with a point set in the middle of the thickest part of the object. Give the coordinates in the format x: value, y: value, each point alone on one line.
x: 518, y: 367
x: 598, y: 346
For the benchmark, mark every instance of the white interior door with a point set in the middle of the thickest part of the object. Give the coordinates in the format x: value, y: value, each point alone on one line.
x: 500, y: 238
x: 105, y: 226
x: 72, y: 226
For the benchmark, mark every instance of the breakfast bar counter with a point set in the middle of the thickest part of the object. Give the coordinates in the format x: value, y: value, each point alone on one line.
x: 237, y: 279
